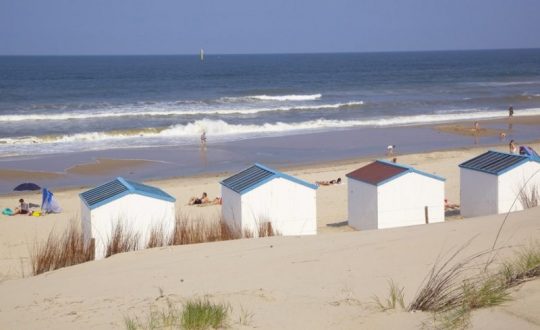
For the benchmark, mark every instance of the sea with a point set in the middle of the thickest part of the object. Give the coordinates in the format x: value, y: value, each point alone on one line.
x: 66, y: 104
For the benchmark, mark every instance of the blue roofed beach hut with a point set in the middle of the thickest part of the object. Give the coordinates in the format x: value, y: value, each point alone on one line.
x: 497, y: 182
x: 137, y: 207
x: 260, y: 195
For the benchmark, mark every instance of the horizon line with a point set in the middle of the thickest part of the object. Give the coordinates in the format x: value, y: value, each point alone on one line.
x: 282, y: 53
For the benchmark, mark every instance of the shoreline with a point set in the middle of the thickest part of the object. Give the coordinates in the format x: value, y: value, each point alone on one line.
x: 85, y: 169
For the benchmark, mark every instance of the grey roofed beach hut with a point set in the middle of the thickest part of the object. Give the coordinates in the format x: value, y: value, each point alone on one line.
x: 386, y: 195
x: 137, y: 207
x: 491, y: 183
x: 259, y: 194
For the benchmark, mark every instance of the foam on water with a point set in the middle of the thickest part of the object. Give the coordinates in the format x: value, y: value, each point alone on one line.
x: 221, y: 130
x: 160, y: 112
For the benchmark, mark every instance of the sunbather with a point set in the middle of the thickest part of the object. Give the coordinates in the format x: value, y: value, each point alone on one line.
x: 197, y: 200
x: 448, y: 206
x: 204, y: 200
x: 328, y: 183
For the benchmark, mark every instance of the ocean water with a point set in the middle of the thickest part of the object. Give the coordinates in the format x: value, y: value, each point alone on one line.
x: 64, y: 104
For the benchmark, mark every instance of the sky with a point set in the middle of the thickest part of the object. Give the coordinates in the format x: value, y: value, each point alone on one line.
x: 92, y: 27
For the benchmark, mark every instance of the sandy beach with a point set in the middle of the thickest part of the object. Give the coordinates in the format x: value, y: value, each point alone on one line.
x: 286, y: 282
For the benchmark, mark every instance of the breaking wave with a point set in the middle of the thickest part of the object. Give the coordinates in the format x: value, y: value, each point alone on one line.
x: 146, y: 112
x: 221, y: 130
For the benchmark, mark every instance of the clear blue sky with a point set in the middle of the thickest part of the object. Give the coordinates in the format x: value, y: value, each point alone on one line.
x: 264, y: 26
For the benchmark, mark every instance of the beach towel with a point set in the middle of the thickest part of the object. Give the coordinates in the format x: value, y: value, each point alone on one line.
x: 7, y: 211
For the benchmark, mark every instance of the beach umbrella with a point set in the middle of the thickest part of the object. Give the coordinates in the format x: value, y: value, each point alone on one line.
x: 27, y: 186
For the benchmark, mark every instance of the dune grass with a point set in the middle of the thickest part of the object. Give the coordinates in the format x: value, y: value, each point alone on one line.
x: 202, y: 314
x: 395, y: 298
x: 266, y: 229
x: 529, y: 197
x: 452, y: 292
x: 193, y: 231
x: 195, y: 314
x: 121, y: 240
x: 69, y: 248
x: 60, y: 251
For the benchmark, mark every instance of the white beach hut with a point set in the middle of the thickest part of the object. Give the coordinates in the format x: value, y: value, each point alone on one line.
x: 137, y: 207
x: 491, y: 182
x: 387, y: 195
x: 259, y: 194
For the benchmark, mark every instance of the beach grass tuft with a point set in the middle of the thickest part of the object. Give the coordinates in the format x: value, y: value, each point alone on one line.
x: 266, y: 229
x: 196, y: 314
x: 121, y: 240
x: 60, y: 251
x: 202, y: 314
x: 193, y: 231
x: 452, y: 292
x: 157, y: 238
x: 529, y: 197
x: 395, y: 298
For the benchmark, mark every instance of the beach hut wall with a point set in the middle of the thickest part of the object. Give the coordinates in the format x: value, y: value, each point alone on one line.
x: 136, y: 207
x: 259, y: 194
x: 491, y: 182
x: 387, y: 195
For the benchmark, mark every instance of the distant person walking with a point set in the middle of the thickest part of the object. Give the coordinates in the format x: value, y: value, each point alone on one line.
x: 390, y: 150
x: 512, y: 147
x: 511, y: 111
x: 203, y: 139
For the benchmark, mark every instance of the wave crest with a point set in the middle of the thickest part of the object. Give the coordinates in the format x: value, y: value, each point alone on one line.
x: 145, y: 112
x: 221, y: 130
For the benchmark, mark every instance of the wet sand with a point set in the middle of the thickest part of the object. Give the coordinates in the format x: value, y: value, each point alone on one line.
x: 106, y: 166
x: 89, y: 168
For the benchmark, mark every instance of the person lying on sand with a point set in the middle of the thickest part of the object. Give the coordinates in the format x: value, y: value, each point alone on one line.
x: 204, y: 200
x: 23, y: 208
x: 328, y: 183
x: 448, y: 206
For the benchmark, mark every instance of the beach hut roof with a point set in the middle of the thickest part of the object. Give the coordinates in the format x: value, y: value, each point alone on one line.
x: 256, y: 176
x: 495, y: 162
x: 380, y: 172
x: 120, y: 187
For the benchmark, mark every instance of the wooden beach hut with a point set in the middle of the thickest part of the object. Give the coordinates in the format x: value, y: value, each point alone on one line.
x: 386, y: 195
x: 137, y: 207
x: 491, y: 183
x: 258, y: 195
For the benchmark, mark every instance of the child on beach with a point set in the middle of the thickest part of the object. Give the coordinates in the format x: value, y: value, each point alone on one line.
x: 23, y: 208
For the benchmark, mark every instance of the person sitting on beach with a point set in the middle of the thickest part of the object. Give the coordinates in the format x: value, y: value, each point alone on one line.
x: 512, y: 147
x: 23, y: 208
x: 328, y: 183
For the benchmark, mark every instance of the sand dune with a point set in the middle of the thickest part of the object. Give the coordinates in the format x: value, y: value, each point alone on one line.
x: 316, y: 282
